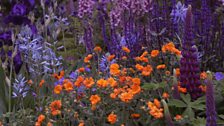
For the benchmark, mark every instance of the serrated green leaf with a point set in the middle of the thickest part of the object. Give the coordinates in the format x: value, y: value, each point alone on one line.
x: 177, y: 103
x: 189, y: 112
x: 153, y: 86
x: 186, y: 98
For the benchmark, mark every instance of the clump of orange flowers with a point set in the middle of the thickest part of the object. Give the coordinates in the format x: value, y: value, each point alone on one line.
x: 55, y: 107
x: 154, y: 109
x: 94, y: 99
x: 112, y: 118
x: 146, y: 71
x: 178, y: 117
x: 143, y: 57
x: 170, y: 47
x: 79, y: 81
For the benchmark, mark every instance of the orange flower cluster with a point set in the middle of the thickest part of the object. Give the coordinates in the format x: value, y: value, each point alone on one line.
x: 154, y: 53
x: 178, y: 117
x: 135, y: 115
x: 112, y: 118
x: 143, y: 57
x: 110, y: 57
x: 112, y: 82
x: 155, y: 109
x: 177, y: 72
x: 170, y: 47
x: 94, y: 99
x: 40, y: 119
x: 88, y: 58
x: 55, y: 107
x: 114, y: 69
x: 146, y: 71
x: 131, y: 87
x: 165, y: 95
x: 60, y: 75
x: 125, y: 49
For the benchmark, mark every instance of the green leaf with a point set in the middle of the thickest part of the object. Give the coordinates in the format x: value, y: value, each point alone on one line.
x: 3, y: 92
x: 222, y: 117
x: 153, y: 86
x: 177, y: 103
x: 199, y: 122
x: 189, y: 112
x: 186, y: 98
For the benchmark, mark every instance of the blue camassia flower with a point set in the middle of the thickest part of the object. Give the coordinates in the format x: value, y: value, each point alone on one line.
x: 20, y: 88
x: 178, y: 13
x: 219, y: 76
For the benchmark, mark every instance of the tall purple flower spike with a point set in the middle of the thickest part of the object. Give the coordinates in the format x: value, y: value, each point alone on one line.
x: 210, y: 104
x: 189, y: 69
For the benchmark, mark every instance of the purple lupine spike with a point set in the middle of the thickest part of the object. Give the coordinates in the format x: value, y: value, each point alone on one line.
x: 211, y: 114
x: 88, y: 34
x: 189, y: 69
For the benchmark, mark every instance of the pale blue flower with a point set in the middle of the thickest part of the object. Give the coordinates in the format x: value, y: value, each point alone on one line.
x: 178, y: 13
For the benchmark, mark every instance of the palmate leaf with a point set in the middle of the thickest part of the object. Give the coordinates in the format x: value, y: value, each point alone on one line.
x: 153, y: 86
x: 3, y: 92
x: 177, y: 103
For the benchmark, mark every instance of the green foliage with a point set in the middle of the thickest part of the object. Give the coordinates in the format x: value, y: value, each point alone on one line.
x: 3, y: 92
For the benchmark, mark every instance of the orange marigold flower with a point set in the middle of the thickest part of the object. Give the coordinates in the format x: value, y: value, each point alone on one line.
x: 154, y: 53
x: 177, y: 72
x: 136, y: 81
x: 102, y: 83
x: 94, y: 99
x: 147, y: 70
x: 68, y: 86
x: 144, y: 54
x: 97, y: 49
x: 60, y: 75
x: 57, y: 89
x: 41, y: 118
x: 163, y: 66
x: 182, y: 90
x: 81, y: 124
x: 139, y: 67
x: 30, y: 82
x: 88, y: 82
x: 36, y: 124
x: 135, y: 115
x: 125, y: 49
x: 124, y: 58
x: 110, y: 57
x: 126, y: 96
x: 203, y: 88
x: 113, y: 95
x: 82, y: 69
x: 41, y: 83
x: 157, y: 103
x: 49, y: 124
x: 112, y: 118
x: 78, y: 81
x: 203, y: 75
x: 112, y: 82
x: 167, y: 73
x: 55, y: 107
x: 93, y: 107
x: 114, y: 69
x: 135, y: 89
x: 178, y: 117
x: 88, y: 58
x: 166, y: 95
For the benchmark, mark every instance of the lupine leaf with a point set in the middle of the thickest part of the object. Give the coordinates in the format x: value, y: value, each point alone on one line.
x: 177, y: 103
